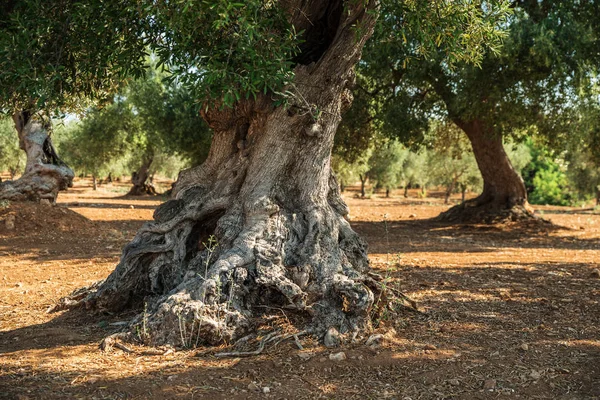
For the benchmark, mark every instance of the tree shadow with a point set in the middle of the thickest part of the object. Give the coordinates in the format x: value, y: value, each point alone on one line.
x: 477, y: 319
x: 430, y: 235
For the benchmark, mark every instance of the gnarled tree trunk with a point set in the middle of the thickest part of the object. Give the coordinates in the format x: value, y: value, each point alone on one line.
x: 139, y: 178
x: 261, y: 222
x: 504, y: 195
x: 45, y: 173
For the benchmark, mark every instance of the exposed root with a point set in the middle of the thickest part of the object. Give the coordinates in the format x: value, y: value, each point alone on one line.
x: 273, y: 337
x: 113, y: 341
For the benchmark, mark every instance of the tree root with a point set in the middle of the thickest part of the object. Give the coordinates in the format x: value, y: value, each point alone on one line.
x: 273, y: 337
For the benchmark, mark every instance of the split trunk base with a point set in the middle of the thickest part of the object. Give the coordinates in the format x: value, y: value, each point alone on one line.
x: 45, y: 174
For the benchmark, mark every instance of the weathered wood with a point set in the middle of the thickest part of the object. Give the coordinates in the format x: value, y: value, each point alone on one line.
x: 261, y: 222
x: 45, y: 173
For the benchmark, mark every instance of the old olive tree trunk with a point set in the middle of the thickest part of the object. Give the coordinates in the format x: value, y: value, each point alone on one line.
x: 504, y: 196
x: 45, y: 173
x: 261, y: 222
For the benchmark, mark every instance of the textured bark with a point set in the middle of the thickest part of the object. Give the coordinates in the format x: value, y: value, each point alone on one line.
x: 139, y: 178
x: 261, y: 222
x: 504, y: 195
x: 45, y: 173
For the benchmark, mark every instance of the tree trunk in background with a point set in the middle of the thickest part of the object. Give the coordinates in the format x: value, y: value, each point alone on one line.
x: 260, y: 225
x: 363, y: 182
x: 406, y: 191
x: 504, y: 195
x: 139, y: 178
x: 94, y: 183
x: 45, y: 173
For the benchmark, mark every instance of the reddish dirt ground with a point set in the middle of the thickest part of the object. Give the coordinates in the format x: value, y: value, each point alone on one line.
x: 509, y: 311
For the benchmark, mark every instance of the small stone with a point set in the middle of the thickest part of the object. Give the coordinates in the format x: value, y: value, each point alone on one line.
x: 253, y: 387
x: 535, y: 375
x: 306, y: 356
x: 412, y: 216
x: 454, y: 382
x: 374, y: 339
x: 322, y: 359
x: 132, y: 207
x: 489, y: 384
x: 266, y: 390
x: 172, y: 378
x: 341, y: 356
x: 595, y: 273
x: 10, y: 222
x: 332, y: 338
x: 45, y: 202
x: 524, y: 347
x: 430, y: 347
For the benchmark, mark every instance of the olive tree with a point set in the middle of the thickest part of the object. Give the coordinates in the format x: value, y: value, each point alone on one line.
x: 261, y: 222
x: 56, y: 57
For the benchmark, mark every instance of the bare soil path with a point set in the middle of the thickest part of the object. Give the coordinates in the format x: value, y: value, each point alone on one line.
x: 511, y: 311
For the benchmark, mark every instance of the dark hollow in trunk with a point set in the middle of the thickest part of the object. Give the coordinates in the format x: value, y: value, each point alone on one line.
x: 45, y: 173
x: 259, y: 225
x: 504, y: 196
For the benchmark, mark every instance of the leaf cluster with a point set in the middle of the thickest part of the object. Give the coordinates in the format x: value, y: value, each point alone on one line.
x: 58, y: 55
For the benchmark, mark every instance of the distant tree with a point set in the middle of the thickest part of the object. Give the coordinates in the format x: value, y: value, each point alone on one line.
x: 450, y: 162
x: 583, y: 152
x: 56, y: 57
x: 544, y: 67
x: 385, y: 166
x: 11, y: 157
x: 100, y: 141
x: 414, y: 171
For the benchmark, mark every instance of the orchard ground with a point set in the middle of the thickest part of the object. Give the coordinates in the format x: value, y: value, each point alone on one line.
x: 509, y: 311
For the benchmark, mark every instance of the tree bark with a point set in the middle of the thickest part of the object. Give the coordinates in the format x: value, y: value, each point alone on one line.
x: 406, y: 191
x: 45, y: 173
x: 259, y: 225
x: 94, y: 183
x: 504, y: 195
x: 139, y: 178
x: 363, y: 182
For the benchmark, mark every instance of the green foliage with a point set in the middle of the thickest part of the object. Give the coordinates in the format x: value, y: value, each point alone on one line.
x: 148, y: 122
x: 550, y: 187
x: 545, y: 177
x: 223, y: 49
x: 385, y: 165
x: 450, y: 162
x: 412, y: 35
x: 55, y: 55
x: 583, y: 153
x: 12, y: 158
x: 99, y: 143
